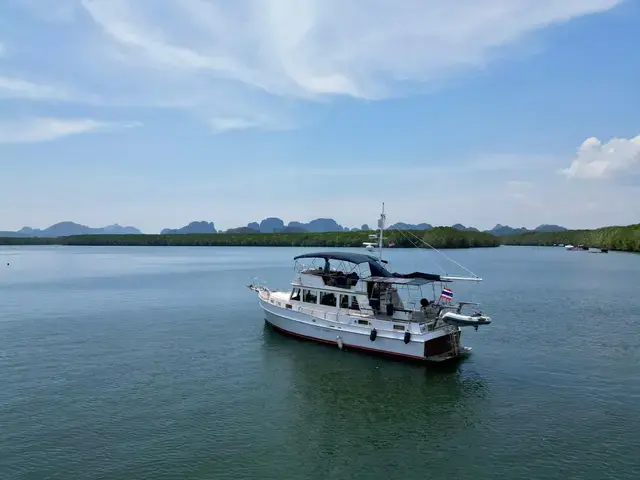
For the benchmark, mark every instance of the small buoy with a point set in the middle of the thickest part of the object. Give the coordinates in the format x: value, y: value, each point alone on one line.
x: 373, y: 335
x: 340, y: 344
x: 407, y: 337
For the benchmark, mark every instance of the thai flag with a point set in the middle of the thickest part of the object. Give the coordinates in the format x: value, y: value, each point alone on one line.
x: 447, y: 294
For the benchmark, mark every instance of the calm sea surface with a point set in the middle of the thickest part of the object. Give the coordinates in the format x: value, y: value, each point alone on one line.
x: 154, y: 363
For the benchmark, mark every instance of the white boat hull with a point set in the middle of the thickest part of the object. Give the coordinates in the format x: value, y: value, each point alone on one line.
x: 303, y: 325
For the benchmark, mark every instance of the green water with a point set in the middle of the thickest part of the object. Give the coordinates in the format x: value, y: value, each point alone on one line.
x: 154, y: 363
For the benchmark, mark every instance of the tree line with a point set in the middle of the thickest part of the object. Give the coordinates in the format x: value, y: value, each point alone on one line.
x: 441, y: 237
x: 626, y: 239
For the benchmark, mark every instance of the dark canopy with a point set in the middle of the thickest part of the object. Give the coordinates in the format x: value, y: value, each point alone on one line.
x: 376, y: 269
x: 430, y: 277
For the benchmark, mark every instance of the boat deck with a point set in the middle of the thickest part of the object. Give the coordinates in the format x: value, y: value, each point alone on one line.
x: 281, y: 299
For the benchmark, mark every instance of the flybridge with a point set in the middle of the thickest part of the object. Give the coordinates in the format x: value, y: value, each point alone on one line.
x: 375, y: 264
x: 377, y: 272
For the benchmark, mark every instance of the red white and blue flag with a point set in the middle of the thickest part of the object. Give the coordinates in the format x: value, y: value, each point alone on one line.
x: 447, y: 294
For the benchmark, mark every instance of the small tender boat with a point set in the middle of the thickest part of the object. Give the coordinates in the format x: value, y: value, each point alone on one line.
x: 369, y: 246
x: 474, y: 320
x: 352, y: 300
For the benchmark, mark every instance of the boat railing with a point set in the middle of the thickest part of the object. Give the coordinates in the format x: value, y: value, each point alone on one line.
x: 324, y: 314
x: 425, y: 323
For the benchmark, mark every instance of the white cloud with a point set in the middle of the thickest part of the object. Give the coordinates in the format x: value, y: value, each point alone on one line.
x: 600, y: 161
x: 19, y: 88
x: 47, y: 129
x: 213, y: 54
x: 226, y: 124
x: 305, y: 48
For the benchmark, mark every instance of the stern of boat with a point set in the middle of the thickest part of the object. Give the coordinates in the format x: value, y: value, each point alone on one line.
x: 445, y: 347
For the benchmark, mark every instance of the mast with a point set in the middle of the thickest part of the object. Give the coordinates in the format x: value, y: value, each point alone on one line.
x: 381, y: 225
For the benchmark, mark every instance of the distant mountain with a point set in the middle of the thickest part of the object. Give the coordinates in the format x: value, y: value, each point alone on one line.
x: 30, y: 232
x: 298, y: 225
x: 271, y: 225
x: 549, y: 228
x: 193, y: 227
x: 324, y: 225
x: 66, y: 229
x: 116, y: 229
x: 268, y: 225
x: 501, y: 230
x: 410, y: 226
x: 459, y: 226
x: 276, y: 225
x: 318, y: 225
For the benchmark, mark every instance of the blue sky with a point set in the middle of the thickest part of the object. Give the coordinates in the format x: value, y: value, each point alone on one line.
x: 154, y: 113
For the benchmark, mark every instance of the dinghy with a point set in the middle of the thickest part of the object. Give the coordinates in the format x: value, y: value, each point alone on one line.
x: 460, y: 320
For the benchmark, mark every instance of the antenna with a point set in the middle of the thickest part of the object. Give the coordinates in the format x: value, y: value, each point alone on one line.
x: 381, y: 226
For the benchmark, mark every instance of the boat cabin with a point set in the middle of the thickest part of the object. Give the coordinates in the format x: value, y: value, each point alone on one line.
x: 360, y: 284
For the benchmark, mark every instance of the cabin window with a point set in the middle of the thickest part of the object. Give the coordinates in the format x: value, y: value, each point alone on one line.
x: 363, y: 322
x: 398, y: 327
x: 309, y: 296
x: 349, y: 301
x: 295, y: 295
x: 344, y: 301
x: 328, y: 298
x: 354, y: 303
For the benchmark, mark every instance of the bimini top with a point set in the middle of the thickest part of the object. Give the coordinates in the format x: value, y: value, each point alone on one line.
x: 378, y: 272
x: 415, y: 278
x: 376, y: 269
x: 350, y: 257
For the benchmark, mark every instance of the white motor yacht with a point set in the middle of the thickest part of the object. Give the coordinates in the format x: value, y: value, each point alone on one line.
x: 353, y: 301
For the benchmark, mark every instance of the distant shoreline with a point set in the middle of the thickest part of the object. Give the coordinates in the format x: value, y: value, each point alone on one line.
x: 621, y: 238
x: 626, y: 239
x: 442, y: 237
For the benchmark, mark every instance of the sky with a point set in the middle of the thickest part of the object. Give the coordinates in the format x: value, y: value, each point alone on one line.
x: 156, y: 113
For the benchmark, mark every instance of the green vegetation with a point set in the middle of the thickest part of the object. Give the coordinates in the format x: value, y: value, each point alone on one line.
x: 441, y: 237
x: 625, y: 239
x: 614, y: 238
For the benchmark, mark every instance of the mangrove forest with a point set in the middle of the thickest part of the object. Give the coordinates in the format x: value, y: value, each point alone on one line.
x: 626, y: 238
x: 441, y: 237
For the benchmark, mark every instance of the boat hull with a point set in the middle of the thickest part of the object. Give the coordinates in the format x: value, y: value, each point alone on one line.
x: 303, y: 326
